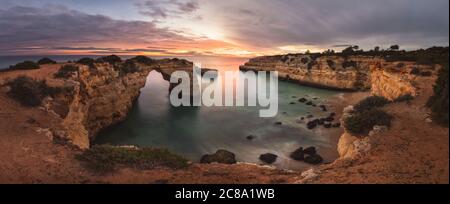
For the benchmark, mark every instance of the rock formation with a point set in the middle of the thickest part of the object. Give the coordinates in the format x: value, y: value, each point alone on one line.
x: 388, y: 79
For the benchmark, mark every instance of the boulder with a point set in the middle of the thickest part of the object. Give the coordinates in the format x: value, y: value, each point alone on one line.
x: 221, y: 156
x: 324, y: 108
x: 292, y: 103
x: 250, y: 137
x: 302, y: 100
x: 268, y: 158
x: 327, y: 125
x: 312, y: 124
x: 278, y: 123
x: 336, y: 125
x: 298, y: 154
x: 313, y: 159
x: 310, y: 150
x: 309, y: 103
x: 329, y: 119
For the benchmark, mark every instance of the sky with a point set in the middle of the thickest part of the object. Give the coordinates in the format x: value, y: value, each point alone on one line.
x: 238, y: 28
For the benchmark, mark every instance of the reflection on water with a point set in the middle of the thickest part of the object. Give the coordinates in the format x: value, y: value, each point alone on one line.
x: 195, y: 131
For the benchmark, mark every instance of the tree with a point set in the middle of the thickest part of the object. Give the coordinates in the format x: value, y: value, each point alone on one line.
x: 395, y: 47
x: 377, y: 49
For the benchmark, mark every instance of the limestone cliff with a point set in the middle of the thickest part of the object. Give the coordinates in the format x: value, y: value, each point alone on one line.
x: 388, y: 79
x: 102, y: 97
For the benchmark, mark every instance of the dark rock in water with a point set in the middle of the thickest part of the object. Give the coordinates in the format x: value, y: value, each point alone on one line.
x: 294, y: 96
x: 309, y: 103
x: 268, y: 158
x: 336, y: 125
x: 292, y: 103
x: 321, y: 121
x: 221, y: 156
x: 329, y: 119
x: 310, y: 150
x: 314, y: 105
x: 285, y: 113
x: 312, y: 124
x: 310, y: 116
x: 302, y: 100
x: 278, y: 123
x: 323, y: 107
x: 315, y: 98
x: 313, y: 159
x: 250, y: 137
x: 332, y: 114
x: 327, y: 125
x: 298, y: 154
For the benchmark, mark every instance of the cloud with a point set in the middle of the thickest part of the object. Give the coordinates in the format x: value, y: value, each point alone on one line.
x: 167, y: 8
x: 270, y: 23
x: 54, y: 27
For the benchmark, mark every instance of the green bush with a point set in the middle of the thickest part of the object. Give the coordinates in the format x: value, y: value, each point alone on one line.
x: 66, y: 71
x: 46, y: 61
x: 30, y: 92
x: 347, y: 64
x: 404, y: 98
x: 111, y: 59
x: 143, y: 60
x: 439, y: 101
x: 370, y: 103
x: 25, y: 66
x: 362, y: 123
x: 127, y: 67
x: 106, y: 158
x: 87, y: 61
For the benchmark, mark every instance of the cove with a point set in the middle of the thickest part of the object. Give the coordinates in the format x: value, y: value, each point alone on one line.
x: 195, y: 131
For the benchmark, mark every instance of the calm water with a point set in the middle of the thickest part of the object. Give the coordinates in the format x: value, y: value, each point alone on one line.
x: 193, y: 132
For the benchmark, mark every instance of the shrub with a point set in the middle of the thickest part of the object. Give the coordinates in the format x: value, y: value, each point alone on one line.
x: 426, y: 73
x: 25, y: 65
x: 66, y: 71
x: 87, y: 61
x: 370, y: 103
x: 331, y: 64
x: 403, y: 98
x: 106, y: 158
x: 362, y: 123
x: 127, y: 67
x: 30, y: 92
x: 143, y: 60
x: 439, y: 101
x: 347, y: 64
x: 400, y: 65
x: 111, y: 59
x: 46, y: 61
x: 415, y: 71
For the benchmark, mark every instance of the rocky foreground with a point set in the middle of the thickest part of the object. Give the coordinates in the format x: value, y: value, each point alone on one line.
x: 39, y: 144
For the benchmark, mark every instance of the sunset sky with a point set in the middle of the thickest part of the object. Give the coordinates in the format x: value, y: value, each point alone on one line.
x: 243, y: 28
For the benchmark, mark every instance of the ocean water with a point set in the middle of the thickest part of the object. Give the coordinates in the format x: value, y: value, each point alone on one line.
x: 195, y: 131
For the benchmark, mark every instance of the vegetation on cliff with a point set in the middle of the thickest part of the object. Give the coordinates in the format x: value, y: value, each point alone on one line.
x: 30, y: 92
x: 106, y: 158
x: 87, y: 61
x: 111, y: 59
x: 25, y: 65
x: 46, y: 60
x: 143, y: 60
x: 439, y: 101
x: 367, y: 114
x: 66, y: 71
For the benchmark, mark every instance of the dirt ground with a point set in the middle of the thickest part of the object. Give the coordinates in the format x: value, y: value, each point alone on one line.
x: 412, y: 151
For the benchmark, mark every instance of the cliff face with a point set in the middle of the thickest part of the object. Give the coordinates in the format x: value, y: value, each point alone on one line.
x: 389, y: 79
x: 103, y: 97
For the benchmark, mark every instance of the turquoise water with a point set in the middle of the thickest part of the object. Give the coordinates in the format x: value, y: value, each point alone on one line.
x: 195, y: 131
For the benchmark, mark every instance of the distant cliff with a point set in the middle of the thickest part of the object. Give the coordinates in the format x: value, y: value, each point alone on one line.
x: 388, y: 79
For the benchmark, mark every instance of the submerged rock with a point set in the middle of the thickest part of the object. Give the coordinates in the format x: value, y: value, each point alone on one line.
x: 336, y: 125
x: 312, y: 124
x: 268, y: 158
x: 298, y: 154
x: 302, y: 100
x: 309, y: 103
x: 250, y: 137
x: 278, y: 123
x: 327, y: 125
x: 310, y: 150
x: 221, y: 156
x: 313, y: 159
